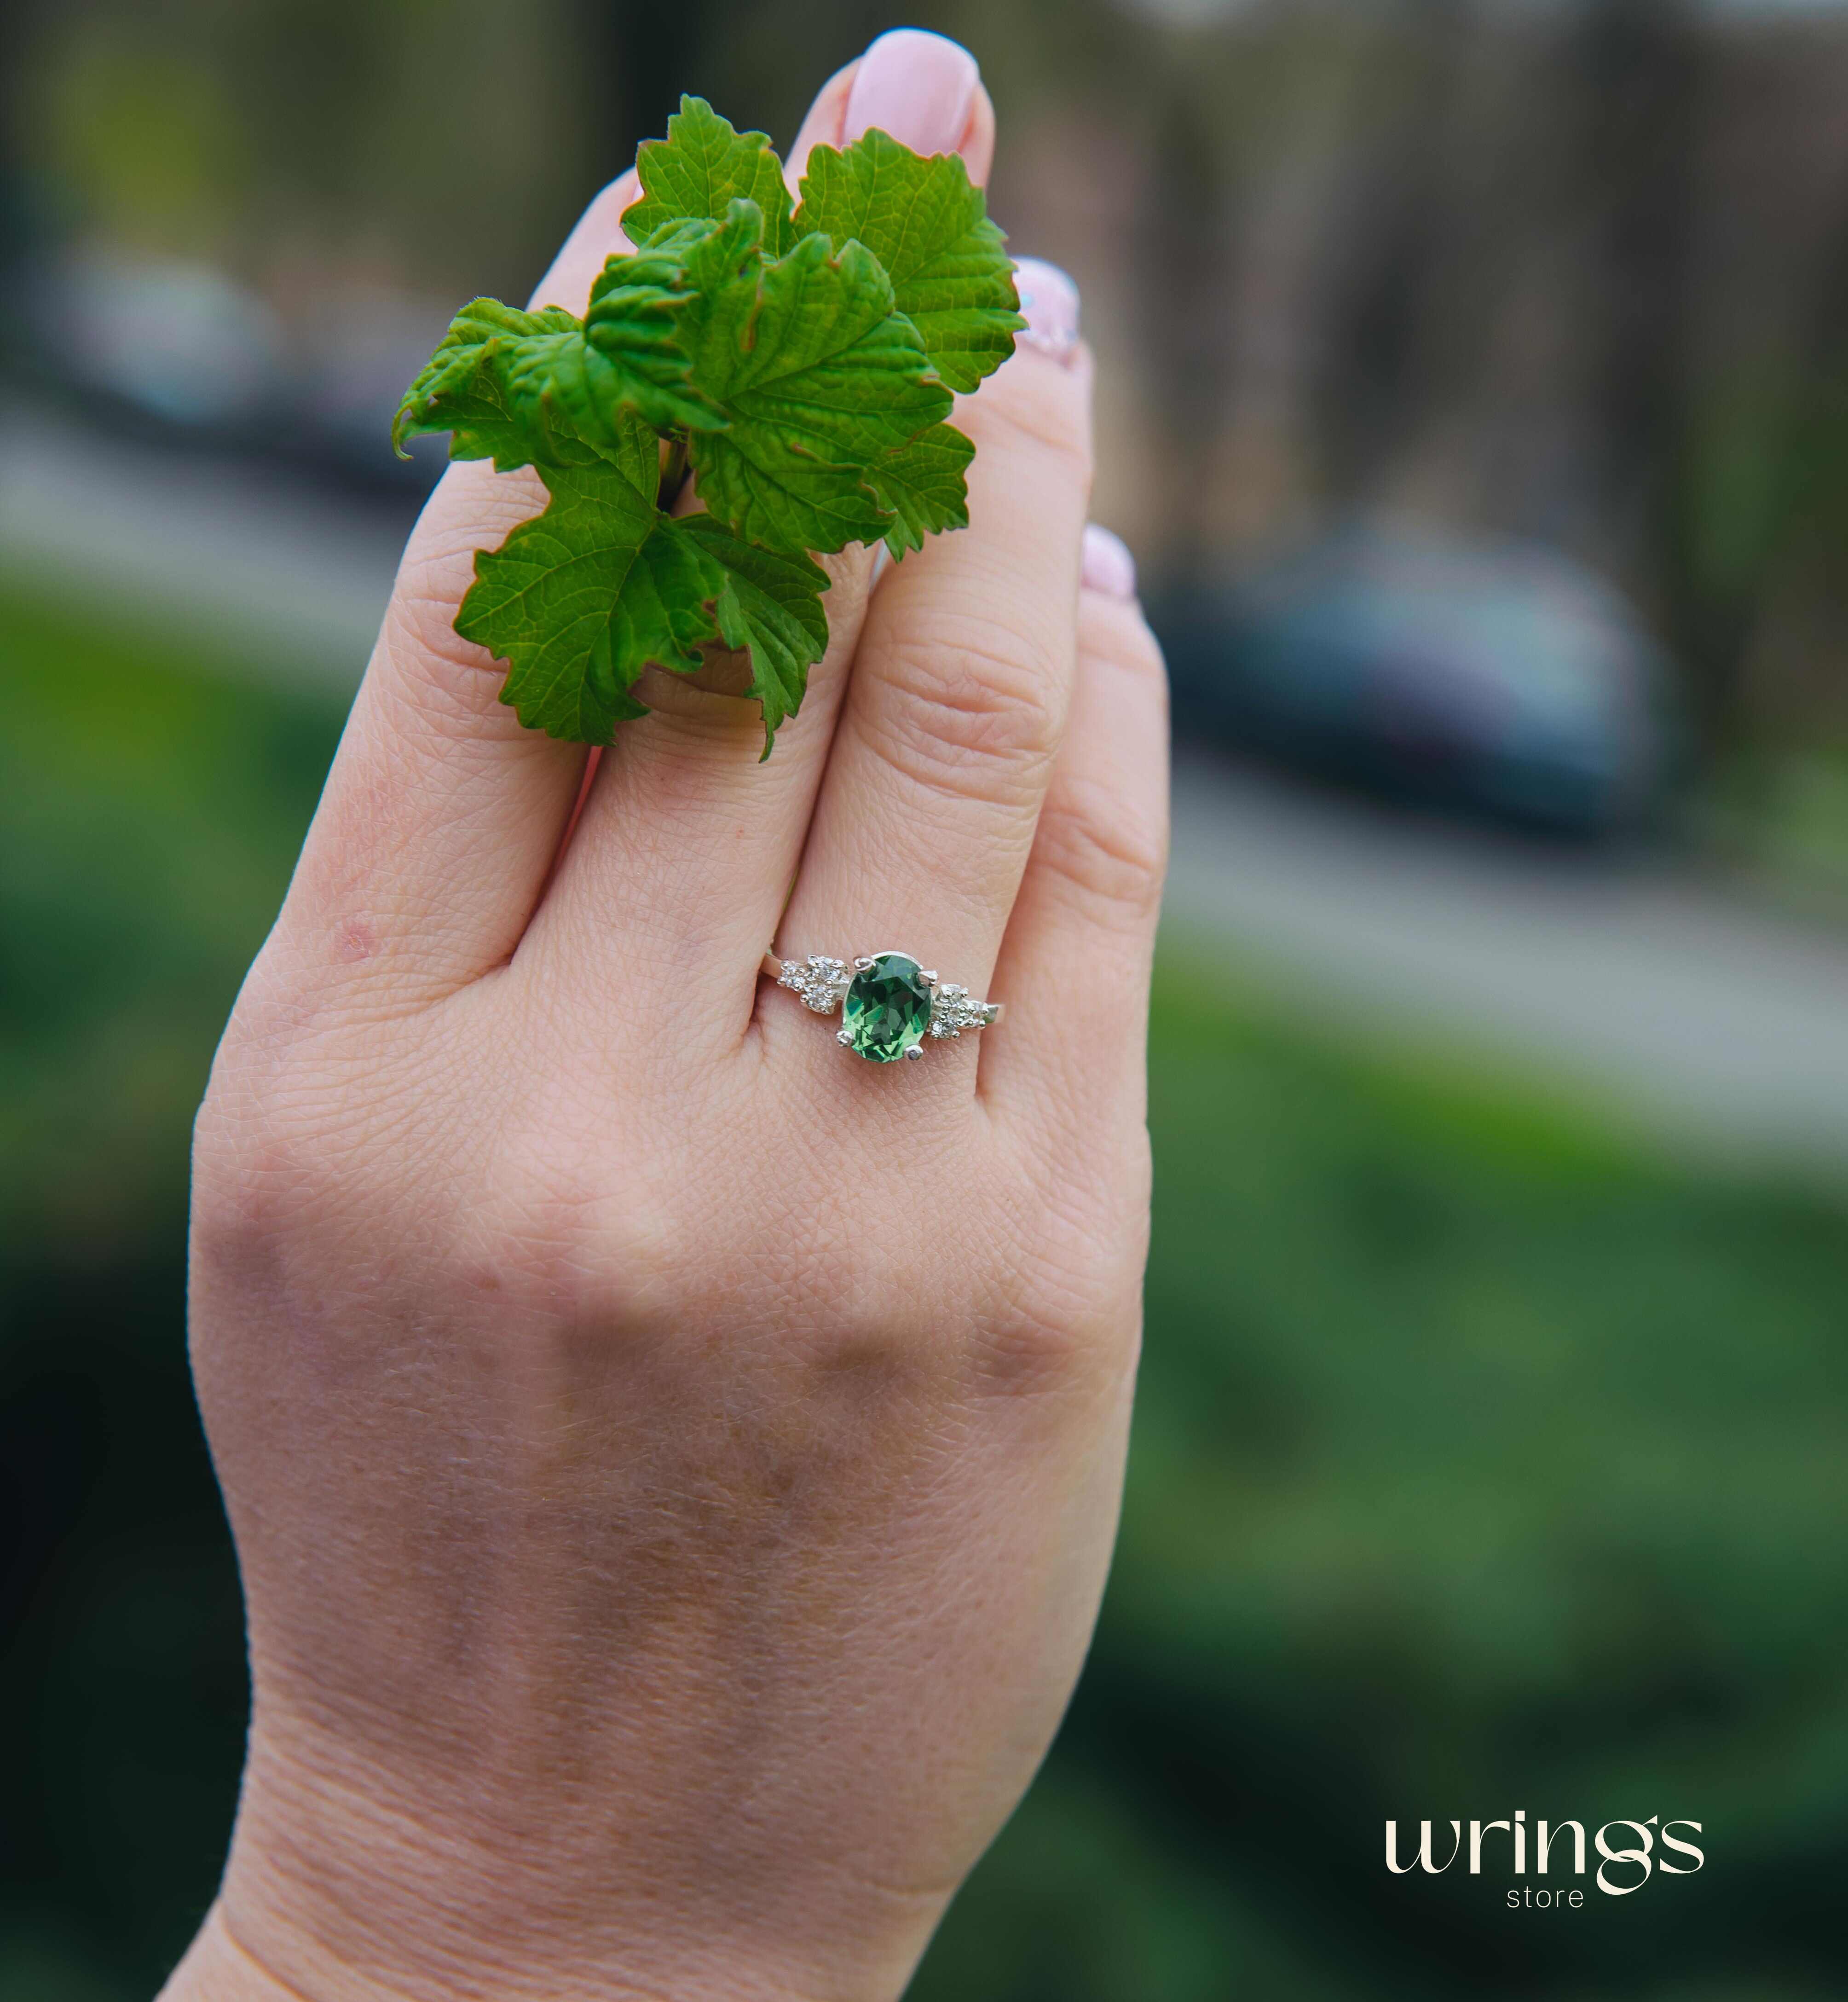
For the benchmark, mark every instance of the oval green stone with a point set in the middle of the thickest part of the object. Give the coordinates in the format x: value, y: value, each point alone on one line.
x: 887, y: 1008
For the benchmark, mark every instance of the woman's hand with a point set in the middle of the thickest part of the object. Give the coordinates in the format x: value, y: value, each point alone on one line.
x: 674, y: 1463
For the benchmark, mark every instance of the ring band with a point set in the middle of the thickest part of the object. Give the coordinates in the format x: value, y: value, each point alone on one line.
x: 888, y: 1002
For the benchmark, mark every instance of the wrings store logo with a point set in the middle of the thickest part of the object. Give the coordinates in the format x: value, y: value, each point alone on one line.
x: 1623, y: 1868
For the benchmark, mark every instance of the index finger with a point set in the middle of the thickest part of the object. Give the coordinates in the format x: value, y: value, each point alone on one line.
x: 443, y: 814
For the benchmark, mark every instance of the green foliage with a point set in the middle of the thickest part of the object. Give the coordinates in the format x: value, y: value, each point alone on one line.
x: 930, y: 229
x: 800, y: 365
x: 463, y: 389
x: 150, y: 811
x: 822, y: 380
x: 921, y: 483
x: 599, y: 583
x: 700, y: 168
x: 769, y: 605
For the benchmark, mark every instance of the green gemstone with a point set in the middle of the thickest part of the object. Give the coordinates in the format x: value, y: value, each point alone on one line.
x: 887, y: 1008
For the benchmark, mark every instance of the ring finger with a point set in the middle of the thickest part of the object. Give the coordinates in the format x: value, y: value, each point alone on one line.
x: 947, y: 740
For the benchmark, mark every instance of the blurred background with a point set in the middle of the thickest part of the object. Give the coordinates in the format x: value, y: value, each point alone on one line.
x: 1475, y: 395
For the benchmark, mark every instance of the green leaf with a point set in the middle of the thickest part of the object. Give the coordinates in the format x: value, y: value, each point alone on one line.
x: 534, y: 388
x: 771, y: 604
x: 700, y: 168
x: 802, y: 367
x: 923, y: 484
x: 568, y: 394
x: 631, y: 445
x: 928, y: 226
x: 462, y: 389
x: 626, y: 354
x: 818, y: 375
x: 579, y: 600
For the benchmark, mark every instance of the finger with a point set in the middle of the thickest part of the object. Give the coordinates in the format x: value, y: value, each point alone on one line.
x: 1074, y: 967
x: 596, y: 237
x: 958, y: 701
x: 901, y: 83
x: 441, y: 815
x: 687, y: 839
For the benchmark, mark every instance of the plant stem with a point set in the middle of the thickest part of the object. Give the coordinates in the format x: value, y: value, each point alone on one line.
x: 674, y: 473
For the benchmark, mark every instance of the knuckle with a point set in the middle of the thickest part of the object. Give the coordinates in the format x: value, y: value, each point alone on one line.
x: 456, y: 685
x: 975, y: 708
x: 305, y: 1129
x: 1026, y: 1355
x: 544, y: 1210
x: 1063, y: 1335
x: 1070, y: 1316
x: 1114, y: 855
x: 265, y: 1170
x: 1117, y: 634
x: 573, y: 1225
x: 1026, y: 408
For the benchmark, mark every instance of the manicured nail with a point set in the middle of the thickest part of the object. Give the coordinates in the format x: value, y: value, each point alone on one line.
x: 1049, y: 304
x: 919, y: 88
x: 1108, y: 566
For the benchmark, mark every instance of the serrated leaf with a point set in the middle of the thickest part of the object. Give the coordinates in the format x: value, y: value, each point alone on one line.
x: 462, y: 389
x: 567, y: 392
x: 820, y: 378
x: 634, y: 357
x: 700, y: 168
x: 923, y: 484
x: 928, y: 226
x: 532, y: 389
x: 784, y: 364
x: 579, y: 600
x: 635, y: 452
x: 771, y: 604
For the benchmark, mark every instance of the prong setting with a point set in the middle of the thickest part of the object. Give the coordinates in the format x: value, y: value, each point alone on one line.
x: 824, y: 984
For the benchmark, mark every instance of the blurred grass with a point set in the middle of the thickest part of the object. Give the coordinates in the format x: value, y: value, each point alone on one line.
x: 1482, y: 1462
x: 150, y: 810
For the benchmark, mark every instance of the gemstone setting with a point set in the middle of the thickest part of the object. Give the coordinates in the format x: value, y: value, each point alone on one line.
x: 887, y: 1008
x: 820, y: 980
x: 955, y: 1009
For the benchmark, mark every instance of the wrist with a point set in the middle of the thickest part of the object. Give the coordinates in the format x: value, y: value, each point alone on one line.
x: 217, y: 1968
x: 336, y: 1894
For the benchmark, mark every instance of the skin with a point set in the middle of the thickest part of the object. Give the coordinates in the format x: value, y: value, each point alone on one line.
x: 674, y: 1463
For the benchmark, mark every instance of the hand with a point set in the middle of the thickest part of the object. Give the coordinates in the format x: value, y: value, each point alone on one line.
x: 674, y: 1463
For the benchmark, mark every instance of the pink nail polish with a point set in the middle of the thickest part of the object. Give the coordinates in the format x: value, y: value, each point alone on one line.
x: 918, y: 87
x: 1049, y: 305
x: 1107, y: 566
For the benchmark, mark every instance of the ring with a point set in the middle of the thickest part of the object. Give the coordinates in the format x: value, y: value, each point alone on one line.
x: 888, y: 1002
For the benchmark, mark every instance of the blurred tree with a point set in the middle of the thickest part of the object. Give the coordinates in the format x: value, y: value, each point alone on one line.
x: 638, y: 59
x: 1642, y: 68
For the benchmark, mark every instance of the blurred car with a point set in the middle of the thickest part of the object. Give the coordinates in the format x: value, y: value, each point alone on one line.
x: 1504, y: 680
x: 178, y: 350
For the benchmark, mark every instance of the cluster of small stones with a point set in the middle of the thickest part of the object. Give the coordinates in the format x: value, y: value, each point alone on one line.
x: 819, y: 980
x: 955, y: 1008
x: 886, y: 1004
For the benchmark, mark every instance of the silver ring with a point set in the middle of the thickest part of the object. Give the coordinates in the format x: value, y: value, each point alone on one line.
x: 888, y: 1002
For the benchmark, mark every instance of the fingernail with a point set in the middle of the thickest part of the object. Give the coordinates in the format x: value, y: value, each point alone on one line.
x: 919, y: 88
x: 1049, y: 304
x: 1108, y: 566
